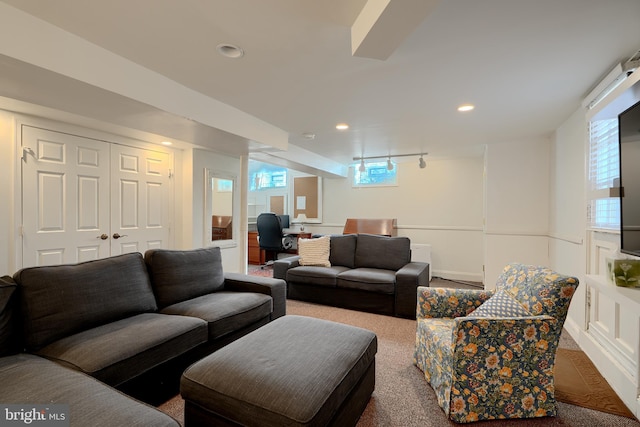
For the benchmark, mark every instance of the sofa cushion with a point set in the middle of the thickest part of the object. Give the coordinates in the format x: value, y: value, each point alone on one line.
x: 62, y: 300
x: 343, y: 250
x: 177, y: 276
x: 225, y: 312
x: 501, y: 304
x: 320, y: 276
x: 10, y: 341
x: 368, y: 279
x: 28, y: 379
x: 119, y: 351
x: 388, y: 253
x: 314, y: 251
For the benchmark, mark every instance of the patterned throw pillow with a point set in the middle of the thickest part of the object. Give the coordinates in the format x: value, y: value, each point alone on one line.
x: 501, y: 304
x: 314, y: 251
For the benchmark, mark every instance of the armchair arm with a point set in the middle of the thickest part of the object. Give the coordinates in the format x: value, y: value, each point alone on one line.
x: 503, y: 367
x: 281, y: 266
x: 449, y: 303
x: 408, y: 278
x: 275, y: 288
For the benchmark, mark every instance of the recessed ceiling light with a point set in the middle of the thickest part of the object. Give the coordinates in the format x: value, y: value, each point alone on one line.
x: 230, y: 51
x: 166, y: 143
x: 466, y: 107
x: 342, y: 126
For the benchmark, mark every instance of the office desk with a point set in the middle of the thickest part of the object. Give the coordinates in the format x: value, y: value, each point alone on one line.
x: 296, y: 234
x: 257, y: 255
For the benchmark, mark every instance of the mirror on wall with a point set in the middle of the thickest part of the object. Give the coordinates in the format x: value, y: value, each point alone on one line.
x: 219, y: 196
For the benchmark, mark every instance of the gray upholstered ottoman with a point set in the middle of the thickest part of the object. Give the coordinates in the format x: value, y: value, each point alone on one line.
x: 294, y: 371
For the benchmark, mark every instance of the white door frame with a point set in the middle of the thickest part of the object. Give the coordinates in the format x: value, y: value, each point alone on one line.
x: 22, y: 120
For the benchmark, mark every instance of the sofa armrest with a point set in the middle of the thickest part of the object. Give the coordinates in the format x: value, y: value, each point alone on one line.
x: 449, y: 303
x: 408, y: 278
x: 502, y: 363
x: 281, y: 266
x: 275, y: 288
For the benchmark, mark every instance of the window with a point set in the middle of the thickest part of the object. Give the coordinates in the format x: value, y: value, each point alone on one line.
x: 374, y: 174
x: 264, y: 179
x: 604, y: 171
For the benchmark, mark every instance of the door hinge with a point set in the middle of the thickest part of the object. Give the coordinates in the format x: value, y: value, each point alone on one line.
x: 25, y: 151
x: 589, y: 297
x: 170, y: 173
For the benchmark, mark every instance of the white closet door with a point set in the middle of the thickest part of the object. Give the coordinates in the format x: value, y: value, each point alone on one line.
x: 140, y: 199
x: 65, y: 198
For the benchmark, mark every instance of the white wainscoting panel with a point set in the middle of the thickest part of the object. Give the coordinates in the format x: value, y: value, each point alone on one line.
x: 613, y: 342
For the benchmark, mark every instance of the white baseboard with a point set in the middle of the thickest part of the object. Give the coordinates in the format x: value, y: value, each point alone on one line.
x: 573, y: 329
x: 458, y: 275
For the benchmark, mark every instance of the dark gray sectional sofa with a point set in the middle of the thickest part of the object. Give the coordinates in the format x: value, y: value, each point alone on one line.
x: 117, y: 319
x: 368, y: 272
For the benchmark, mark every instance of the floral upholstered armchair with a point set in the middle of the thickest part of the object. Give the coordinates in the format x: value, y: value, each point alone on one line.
x: 491, y: 354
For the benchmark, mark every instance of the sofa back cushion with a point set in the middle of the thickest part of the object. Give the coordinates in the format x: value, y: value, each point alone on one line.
x: 10, y: 342
x: 177, y: 276
x: 539, y: 289
x: 388, y: 253
x: 61, y: 300
x: 343, y: 250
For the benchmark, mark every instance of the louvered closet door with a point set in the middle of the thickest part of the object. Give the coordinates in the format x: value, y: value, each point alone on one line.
x: 65, y: 198
x: 140, y: 199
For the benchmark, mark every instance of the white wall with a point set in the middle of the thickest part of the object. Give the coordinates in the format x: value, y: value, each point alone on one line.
x: 517, y: 205
x: 232, y: 254
x: 441, y: 205
x: 567, y: 211
x: 7, y: 195
x: 188, y: 224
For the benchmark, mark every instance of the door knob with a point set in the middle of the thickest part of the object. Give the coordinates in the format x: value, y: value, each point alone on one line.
x: 103, y: 236
x: 117, y: 236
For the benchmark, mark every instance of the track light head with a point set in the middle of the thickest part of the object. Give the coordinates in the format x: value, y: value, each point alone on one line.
x: 390, y: 164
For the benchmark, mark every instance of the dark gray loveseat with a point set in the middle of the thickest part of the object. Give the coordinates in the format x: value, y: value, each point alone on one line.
x: 367, y: 272
x: 117, y: 320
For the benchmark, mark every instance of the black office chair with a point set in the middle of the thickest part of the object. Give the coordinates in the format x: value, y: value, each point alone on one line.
x: 270, y: 236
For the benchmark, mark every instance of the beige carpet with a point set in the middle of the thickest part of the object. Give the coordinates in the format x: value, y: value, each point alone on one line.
x: 402, y: 397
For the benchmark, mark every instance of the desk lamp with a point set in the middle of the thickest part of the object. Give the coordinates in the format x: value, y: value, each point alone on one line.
x: 301, y: 218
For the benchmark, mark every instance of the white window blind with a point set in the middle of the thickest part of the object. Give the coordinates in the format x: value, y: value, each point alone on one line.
x: 604, y: 168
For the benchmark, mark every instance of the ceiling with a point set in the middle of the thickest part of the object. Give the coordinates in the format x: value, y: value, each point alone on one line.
x: 526, y: 66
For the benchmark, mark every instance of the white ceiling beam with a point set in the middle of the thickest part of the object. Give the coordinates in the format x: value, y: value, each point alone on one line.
x: 303, y: 161
x: 383, y: 24
x: 39, y: 43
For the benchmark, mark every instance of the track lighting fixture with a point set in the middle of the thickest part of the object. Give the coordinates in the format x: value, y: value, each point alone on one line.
x: 421, y: 162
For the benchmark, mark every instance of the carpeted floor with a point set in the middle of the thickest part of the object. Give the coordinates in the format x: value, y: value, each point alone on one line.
x: 402, y: 396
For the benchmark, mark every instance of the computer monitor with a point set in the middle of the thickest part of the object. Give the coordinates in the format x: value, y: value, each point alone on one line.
x: 284, y: 220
